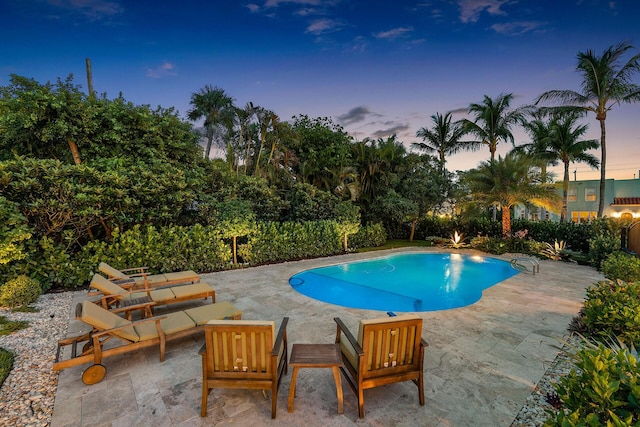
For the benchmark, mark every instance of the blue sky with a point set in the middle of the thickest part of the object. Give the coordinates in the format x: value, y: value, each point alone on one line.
x: 376, y: 67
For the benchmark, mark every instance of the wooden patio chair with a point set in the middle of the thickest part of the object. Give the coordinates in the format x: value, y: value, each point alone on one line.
x: 387, y: 350
x: 119, y: 298
x: 243, y: 354
x: 107, y: 327
x: 140, y: 276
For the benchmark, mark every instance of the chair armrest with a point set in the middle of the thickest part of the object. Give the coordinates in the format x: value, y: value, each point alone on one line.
x: 138, y: 269
x: 343, y: 328
x: 423, y: 343
x: 282, y: 334
x: 149, y: 319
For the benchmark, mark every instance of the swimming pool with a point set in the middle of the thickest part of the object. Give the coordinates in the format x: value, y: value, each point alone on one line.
x: 404, y: 282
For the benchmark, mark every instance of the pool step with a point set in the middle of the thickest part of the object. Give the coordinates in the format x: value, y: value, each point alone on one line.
x: 526, y: 264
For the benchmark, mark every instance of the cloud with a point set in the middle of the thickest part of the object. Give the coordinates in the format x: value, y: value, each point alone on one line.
x: 517, y: 28
x: 92, y: 9
x: 163, y: 70
x: 393, y: 33
x: 253, y: 8
x: 470, y: 10
x: 276, y: 3
x: 355, y: 115
x: 394, y: 130
x: 323, y: 26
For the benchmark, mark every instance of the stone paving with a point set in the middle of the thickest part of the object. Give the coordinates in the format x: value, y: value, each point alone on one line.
x: 482, y: 362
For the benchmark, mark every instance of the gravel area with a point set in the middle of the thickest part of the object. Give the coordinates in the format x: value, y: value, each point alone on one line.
x: 27, y: 395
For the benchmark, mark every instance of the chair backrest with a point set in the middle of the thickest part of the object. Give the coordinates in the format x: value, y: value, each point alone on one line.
x: 390, y: 344
x: 239, y: 349
x: 101, y: 319
x: 111, y: 272
x: 107, y: 287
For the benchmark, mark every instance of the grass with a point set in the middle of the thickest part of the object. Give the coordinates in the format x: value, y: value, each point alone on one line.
x: 9, y: 326
x: 6, y: 363
x: 393, y: 244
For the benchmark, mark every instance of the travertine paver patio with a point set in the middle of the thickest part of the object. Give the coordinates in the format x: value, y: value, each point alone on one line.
x: 482, y: 363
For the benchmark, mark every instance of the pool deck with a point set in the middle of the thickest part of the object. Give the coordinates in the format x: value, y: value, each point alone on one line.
x: 482, y: 362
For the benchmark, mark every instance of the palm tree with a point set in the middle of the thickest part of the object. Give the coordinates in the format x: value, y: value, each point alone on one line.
x: 509, y: 181
x: 215, y: 106
x: 443, y: 138
x: 605, y: 83
x: 564, y: 143
x: 492, y: 123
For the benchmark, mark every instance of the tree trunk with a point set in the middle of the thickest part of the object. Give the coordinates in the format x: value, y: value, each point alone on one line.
x: 565, y: 192
x: 413, y: 229
x: 209, y: 142
x: 506, y: 221
x: 603, y: 163
x: 74, y: 151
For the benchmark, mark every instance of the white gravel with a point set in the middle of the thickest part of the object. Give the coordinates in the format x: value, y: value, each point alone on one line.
x: 27, y: 395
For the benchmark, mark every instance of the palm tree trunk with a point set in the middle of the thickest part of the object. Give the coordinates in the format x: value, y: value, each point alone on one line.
x: 506, y: 221
x: 413, y: 229
x: 603, y: 163
x: 565, y: 192
x: 209, y: 143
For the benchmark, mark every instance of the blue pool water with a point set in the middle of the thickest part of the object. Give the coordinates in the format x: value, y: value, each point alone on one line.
x: 404, y: 282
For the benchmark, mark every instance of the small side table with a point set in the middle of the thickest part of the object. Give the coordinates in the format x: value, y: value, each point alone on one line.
x: 316, y: 356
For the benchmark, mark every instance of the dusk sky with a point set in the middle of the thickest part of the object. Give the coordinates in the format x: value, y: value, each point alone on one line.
x: 376, y: 67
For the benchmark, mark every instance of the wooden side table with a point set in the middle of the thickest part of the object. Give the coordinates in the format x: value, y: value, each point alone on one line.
x: 316, y: 356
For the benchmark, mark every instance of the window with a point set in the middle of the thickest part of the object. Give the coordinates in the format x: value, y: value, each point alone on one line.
x: 589, y: 194
x: 582, y: 216
x: 572, y: 195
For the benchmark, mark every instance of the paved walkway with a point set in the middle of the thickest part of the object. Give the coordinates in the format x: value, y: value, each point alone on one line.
x: 482, y: 363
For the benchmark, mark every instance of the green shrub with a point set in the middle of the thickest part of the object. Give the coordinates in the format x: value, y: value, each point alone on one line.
x: 621, y: 266
x: 613, y: 308
x: 369, y: 236
x: 6, y: 364
x: 603, y: 390
x: 22, y: 290
x: 601, y: 245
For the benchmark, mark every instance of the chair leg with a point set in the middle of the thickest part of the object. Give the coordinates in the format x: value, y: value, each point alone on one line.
x: 360, y: 402
x: 205, y: 399
x: 421, y: 388
x: 274, y: 398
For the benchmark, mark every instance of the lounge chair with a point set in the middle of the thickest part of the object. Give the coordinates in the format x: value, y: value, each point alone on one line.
x: 119, y: 299
x: 243, y: 354
x: 132, y: 335
x: 387, y: 350
x: 139, y: 276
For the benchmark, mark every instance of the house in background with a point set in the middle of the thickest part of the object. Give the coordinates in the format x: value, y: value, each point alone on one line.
x: 621, y: 200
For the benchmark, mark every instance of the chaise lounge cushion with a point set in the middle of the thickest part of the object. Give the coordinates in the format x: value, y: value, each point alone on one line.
x: 174, y: 322
x: 219, y: 310
x: 102, y: 319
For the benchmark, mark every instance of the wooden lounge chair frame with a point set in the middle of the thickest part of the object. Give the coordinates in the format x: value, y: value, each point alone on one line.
x: 93, y: 349
x: 140, y: 275
x: 121, y: 298
x: 395, y: 354
x: 228, y: 352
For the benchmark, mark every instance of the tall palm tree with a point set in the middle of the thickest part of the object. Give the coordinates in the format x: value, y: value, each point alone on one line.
x: 493, y: 121
x: 564, y: 143
x: 509, y: 181
x: 605, y: 83
x: 215, y: 106
x: 443, y: 138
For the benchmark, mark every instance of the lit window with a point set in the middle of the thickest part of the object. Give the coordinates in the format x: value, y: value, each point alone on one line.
x: 572, y: 195
x: 589, y: 194
x: 583, y: 216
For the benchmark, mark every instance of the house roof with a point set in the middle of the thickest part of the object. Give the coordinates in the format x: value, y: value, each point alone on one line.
x: 626, y: 201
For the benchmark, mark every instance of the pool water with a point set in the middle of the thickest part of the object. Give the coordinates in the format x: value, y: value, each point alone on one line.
x: 404, y: 282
